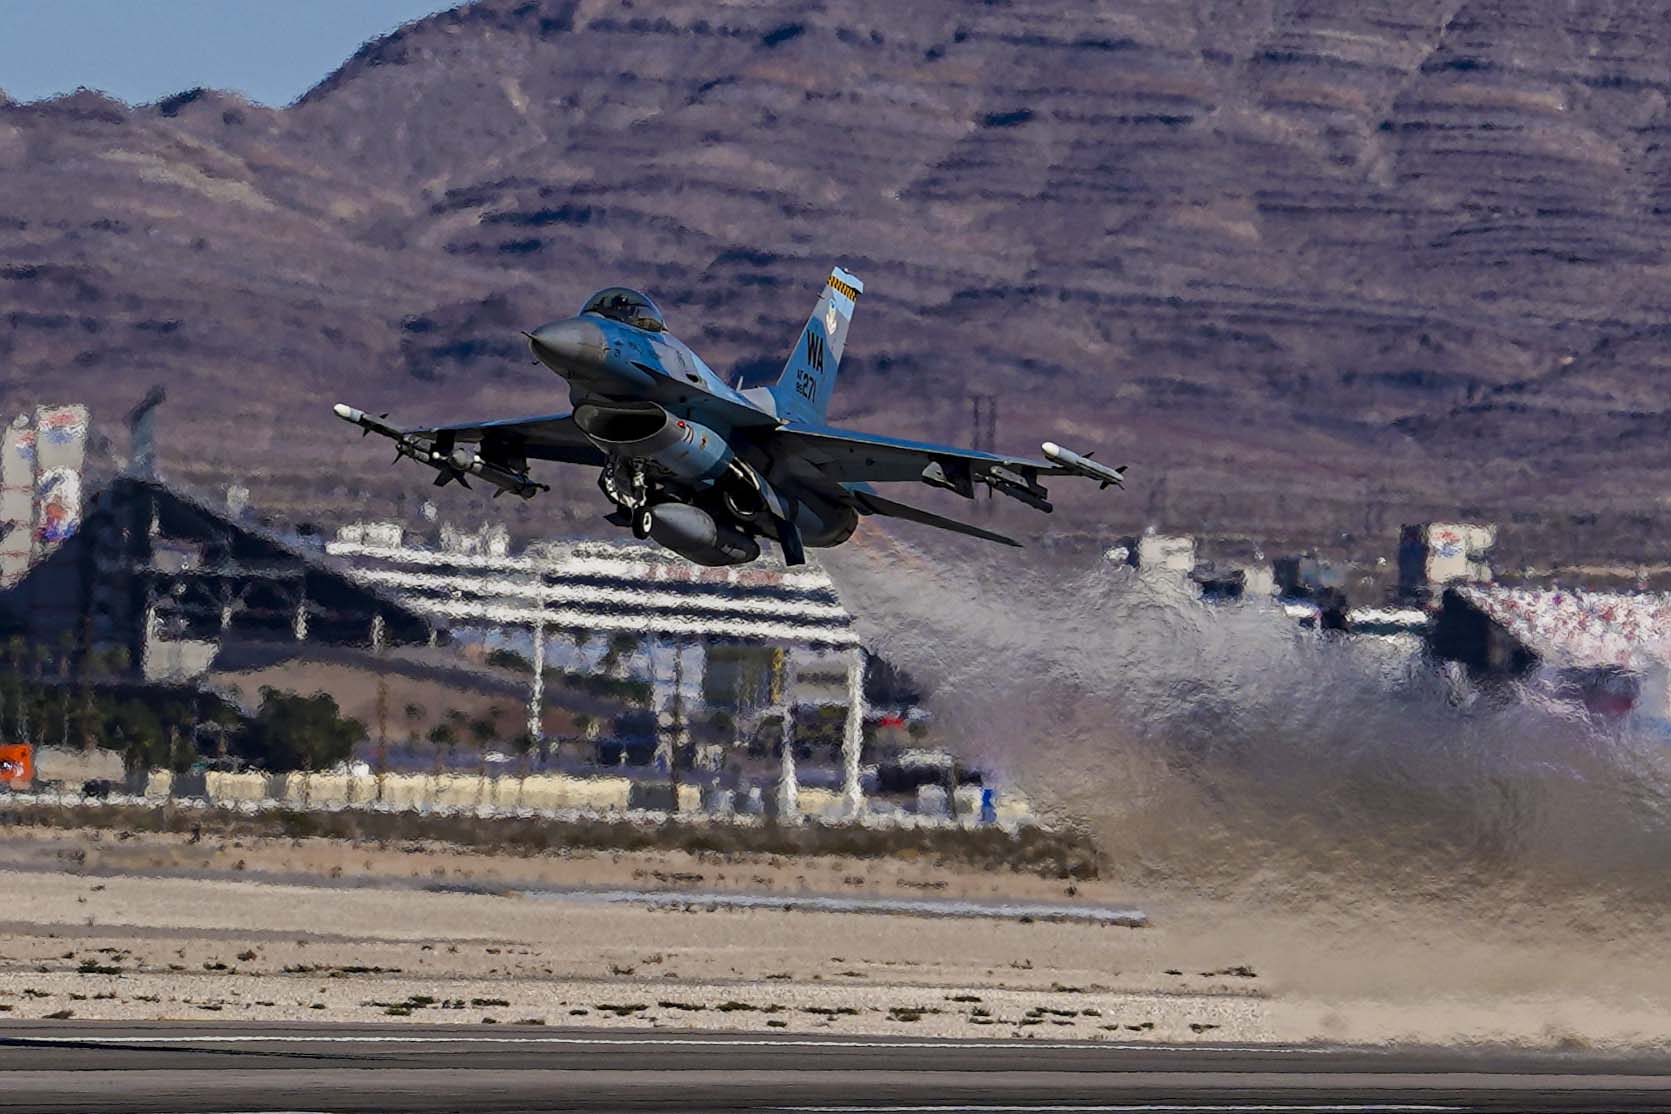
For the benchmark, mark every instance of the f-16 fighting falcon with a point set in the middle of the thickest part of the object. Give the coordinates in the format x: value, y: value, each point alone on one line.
x: 706, y: 469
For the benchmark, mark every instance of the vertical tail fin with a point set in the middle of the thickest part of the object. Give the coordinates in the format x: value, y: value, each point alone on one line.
x: 802, y: 392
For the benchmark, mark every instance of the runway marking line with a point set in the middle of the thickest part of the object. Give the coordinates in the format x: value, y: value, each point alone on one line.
x: 1168, y: 1108
x: 637, y: 1042
x: 1140, y: 1108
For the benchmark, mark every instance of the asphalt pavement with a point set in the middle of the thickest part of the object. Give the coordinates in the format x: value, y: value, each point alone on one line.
x: 191, y: 1068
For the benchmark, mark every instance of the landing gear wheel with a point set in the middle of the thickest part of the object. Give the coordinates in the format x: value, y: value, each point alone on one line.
x: 624, y: 483
x: 641, y: 523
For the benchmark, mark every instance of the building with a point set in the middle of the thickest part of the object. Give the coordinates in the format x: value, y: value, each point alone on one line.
x: 41, y: 460
x: 1609, y: 651
x: 1436, y: 554
x: 1238, y: 582
x: 542, y: 597
x: 1157, y: 555
x: 173, y: 584
x: 1309, y: 577
x: 158, y: 588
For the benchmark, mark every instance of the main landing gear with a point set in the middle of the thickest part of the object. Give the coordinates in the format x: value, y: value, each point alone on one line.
x: 625, y: 485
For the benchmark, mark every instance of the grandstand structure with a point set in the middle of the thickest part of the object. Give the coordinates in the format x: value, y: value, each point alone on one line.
x: 177, y: 588
x: 550, y: 589
x: 1569, y: 627
x: 1609, y: 652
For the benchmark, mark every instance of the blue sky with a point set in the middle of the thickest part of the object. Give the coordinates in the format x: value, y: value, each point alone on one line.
x: 142, y: 50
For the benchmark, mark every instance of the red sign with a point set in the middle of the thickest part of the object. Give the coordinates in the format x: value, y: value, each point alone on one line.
x: 17, y: 765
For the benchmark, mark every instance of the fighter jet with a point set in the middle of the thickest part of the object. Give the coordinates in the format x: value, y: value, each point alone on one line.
x: 707, y: 469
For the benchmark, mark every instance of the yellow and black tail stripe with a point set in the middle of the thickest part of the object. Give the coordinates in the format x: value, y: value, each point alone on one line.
x: 844, y: 288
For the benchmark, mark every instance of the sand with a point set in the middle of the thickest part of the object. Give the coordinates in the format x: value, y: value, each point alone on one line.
x: 155, y: 926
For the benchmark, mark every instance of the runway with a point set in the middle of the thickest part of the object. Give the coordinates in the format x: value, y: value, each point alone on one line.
x: 1124, y: 916
x: 194, y: 1068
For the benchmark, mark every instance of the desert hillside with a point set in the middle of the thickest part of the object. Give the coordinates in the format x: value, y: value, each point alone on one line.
x: 1312, y: 270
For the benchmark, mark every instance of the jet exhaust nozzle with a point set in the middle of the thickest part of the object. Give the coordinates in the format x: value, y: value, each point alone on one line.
x: 692, y: 533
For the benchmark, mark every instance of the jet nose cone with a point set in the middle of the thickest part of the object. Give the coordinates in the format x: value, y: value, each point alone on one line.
x: 562, y: 346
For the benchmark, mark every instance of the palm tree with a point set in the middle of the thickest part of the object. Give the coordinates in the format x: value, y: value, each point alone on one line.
x: 66, y: 650
x: 523, y: 744
x: 9, y: 691
x: 39, y: 655
x: 459, y: 723
x: 621, y: 647
x: 444, y: 736
x: 583, y: 725
x: 483, y: 730
x: 15, y: 654
x: 117, y: 660
x: 84, y: 686
x: 414, y: 715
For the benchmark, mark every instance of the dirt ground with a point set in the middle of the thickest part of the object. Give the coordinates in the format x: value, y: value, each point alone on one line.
x: 158, y: 926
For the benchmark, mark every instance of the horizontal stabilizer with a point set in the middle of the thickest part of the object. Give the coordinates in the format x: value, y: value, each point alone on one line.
x: 871, y: 503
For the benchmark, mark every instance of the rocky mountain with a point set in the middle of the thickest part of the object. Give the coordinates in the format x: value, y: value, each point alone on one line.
x: 1312, y: 269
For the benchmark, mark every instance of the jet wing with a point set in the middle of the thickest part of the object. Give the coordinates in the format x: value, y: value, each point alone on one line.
x: 542, y: 437
x: 505, y: 447
x: 845, y: 457
x: 848, y: 457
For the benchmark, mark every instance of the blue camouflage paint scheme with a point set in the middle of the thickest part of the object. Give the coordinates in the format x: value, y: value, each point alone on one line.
x: 669, y: 434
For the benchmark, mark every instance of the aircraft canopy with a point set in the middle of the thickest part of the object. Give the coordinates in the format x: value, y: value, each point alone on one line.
x: 629, y: 306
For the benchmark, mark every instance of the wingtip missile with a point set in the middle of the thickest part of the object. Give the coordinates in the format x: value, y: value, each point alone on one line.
x: 1070, y: 461
x: 368, y: 423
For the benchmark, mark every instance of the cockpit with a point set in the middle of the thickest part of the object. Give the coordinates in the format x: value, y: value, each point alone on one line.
x: 627, y: 306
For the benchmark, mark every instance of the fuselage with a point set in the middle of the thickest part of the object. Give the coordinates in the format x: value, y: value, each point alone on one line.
x: 644, y: 397
x: 702, y: 467
x: 617, y: 361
